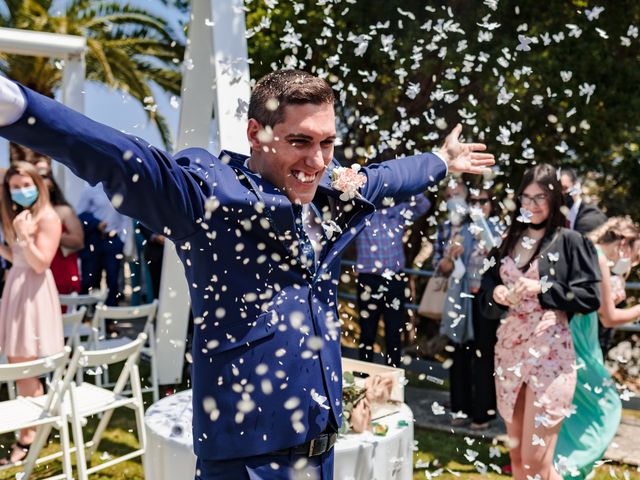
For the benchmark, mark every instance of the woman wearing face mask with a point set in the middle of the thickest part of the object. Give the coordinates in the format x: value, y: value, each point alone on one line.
x: 472, y: 235
x: 585, y: 435
x: 541, y: 276
x: 30, y: 317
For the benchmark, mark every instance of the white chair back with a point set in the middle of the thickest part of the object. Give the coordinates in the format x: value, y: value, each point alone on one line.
x: 108, y: 356
x: 53, y: 364
x: 147, y: 310
x: 73, y: 301
x: 71, y: 322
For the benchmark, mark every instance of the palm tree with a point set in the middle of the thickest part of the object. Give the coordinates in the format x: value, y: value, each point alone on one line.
x: 129, y: 48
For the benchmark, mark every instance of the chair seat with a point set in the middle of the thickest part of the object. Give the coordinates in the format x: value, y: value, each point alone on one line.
x: 91, y: 399
x: 23, y: 411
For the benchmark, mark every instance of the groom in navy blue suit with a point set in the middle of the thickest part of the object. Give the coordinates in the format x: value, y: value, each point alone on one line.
x: 260, y: 238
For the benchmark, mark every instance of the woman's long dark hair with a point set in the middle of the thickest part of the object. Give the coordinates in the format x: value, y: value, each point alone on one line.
x: 546, y: 177
x: 56, y: 196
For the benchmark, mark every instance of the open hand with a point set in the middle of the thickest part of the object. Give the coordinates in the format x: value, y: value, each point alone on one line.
x: 465, y: 157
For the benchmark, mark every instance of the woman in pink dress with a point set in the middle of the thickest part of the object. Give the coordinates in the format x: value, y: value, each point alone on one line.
x: 30, y: 316
x: 541, y: 275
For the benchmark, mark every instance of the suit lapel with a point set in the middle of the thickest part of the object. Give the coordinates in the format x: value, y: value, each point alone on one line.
x: 347, y: 216
x: 277, y: 207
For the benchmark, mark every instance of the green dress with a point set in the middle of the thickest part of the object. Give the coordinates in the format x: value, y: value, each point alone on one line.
x: 586, y: 434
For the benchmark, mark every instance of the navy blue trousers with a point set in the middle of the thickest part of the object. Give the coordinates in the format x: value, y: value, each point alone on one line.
x: 267, y: 467
x: 382, y: 295
x: 103, y: 257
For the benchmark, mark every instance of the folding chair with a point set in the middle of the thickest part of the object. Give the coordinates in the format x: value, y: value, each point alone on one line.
x: 72, y: 322
x: 86, y: 400
x: 11, y: 387
x: 43, y: 412
x: 75, y: 301
x: 98, y: 341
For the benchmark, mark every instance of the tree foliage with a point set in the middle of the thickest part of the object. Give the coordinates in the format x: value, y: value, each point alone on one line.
x: 129, y: 48
x: 553, y: 81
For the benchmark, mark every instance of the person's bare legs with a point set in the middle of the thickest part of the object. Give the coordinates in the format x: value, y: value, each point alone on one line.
x: 514, y: 432
x: 538, y: 443
x: 28, y: 387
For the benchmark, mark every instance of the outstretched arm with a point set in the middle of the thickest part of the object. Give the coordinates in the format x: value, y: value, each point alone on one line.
x: 165, y: 193
x: 404, y: 177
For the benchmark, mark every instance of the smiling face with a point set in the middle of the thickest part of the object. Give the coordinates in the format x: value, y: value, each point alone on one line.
x: 536, y: 200
x: 294, y: 155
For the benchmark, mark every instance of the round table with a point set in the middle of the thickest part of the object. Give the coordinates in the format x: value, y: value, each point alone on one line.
x: 358, y: 456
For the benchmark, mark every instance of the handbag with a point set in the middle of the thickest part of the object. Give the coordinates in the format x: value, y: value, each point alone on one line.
x: 433, y: 298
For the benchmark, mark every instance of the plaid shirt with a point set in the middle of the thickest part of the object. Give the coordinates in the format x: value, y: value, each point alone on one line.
x: 379, y: 245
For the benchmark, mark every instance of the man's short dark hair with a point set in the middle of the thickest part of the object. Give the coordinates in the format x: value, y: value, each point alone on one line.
x: 276, y: 90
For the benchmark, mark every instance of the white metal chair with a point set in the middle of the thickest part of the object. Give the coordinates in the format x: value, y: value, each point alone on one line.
x: 72, y: 322
x: 98, y: 341
x: 75, y: 301
x: 11, y: 387
x: 43, y: 412
x: 86, y: 400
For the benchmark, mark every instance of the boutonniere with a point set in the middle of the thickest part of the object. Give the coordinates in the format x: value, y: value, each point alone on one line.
x: 348, y: 181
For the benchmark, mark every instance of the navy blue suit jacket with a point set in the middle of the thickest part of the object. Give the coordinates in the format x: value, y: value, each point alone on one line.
x: 266, y: 349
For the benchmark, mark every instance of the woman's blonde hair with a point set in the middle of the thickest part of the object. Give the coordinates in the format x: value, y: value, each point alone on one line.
x: 9, y: 208
x: 616, y: 228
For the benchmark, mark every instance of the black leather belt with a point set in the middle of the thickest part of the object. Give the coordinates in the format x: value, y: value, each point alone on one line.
x: 317, y: 446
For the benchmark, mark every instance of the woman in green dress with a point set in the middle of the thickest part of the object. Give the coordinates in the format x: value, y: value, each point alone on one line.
x: 586, y: 434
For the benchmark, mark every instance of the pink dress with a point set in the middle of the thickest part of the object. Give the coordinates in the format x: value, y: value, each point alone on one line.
x: 30, y: 315
x: 535, y: 348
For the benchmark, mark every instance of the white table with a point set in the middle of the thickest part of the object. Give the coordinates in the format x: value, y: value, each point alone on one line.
x: 362, y: 456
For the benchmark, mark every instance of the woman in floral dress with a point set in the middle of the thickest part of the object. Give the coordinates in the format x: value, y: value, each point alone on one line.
x: 541, y: 275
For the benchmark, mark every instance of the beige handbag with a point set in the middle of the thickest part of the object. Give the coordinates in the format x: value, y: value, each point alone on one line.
x: 433, y: 298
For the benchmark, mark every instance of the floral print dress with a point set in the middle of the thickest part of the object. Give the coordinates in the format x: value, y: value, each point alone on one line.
x: 535, y: 348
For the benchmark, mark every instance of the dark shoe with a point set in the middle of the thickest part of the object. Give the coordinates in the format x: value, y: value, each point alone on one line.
x: 16, y: 446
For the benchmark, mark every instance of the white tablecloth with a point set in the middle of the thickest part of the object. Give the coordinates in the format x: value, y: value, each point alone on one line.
x: 362, y: 456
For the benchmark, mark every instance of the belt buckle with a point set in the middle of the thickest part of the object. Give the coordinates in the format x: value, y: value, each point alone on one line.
x: 322, y: 442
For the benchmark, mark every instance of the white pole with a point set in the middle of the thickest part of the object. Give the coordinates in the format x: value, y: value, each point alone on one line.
x: 73, y: 77
x: 215, y: 78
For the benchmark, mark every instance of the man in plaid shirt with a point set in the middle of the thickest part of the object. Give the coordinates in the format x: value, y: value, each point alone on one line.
x: 381, y: 283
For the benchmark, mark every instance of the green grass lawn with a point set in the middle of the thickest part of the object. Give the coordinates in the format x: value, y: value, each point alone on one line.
x: 444, y: 454
x: 438, y: 453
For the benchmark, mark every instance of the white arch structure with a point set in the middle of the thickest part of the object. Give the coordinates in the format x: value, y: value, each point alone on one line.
x: 215, y: 79
x: 71, y: 49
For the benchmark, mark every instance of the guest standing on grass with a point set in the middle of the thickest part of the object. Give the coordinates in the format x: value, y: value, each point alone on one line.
x: 541, y: 276
x: 382, y: 285
x: 587, y: 433
x: 30, y: 315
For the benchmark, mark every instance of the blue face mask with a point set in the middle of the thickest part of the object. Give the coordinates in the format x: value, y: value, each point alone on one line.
x: 25, y: 197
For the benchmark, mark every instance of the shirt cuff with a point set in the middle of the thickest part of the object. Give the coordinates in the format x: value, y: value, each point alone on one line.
x: 446, y: 166
x: 12, y: 102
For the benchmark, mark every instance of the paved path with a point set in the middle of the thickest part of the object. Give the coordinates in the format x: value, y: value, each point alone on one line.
x: 427, y: 410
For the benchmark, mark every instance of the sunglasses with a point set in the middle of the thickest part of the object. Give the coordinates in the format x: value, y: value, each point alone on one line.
x: 481, y: 201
